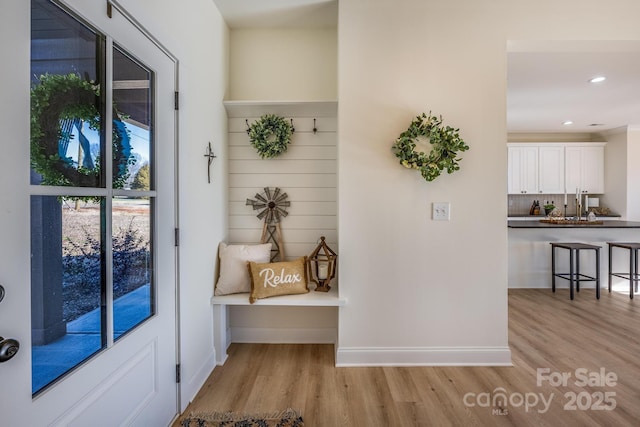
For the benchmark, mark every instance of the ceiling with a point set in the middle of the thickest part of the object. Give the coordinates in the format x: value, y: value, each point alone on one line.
x: 547, y: 80
x: 548, y: 83
x: 279, y: 13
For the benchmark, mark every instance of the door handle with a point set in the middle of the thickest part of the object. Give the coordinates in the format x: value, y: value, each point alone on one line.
x: 8, y: 348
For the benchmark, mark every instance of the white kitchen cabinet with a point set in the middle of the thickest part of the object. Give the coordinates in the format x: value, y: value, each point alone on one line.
x: 523, y: 169
x: 536, y: 169
x: 551, y: 169
x: 584, y: 168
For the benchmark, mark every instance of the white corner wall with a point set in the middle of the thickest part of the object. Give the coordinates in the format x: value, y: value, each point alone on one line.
x: 283, y: 64
x: 422, y: 291
x: 197, y: 35
x: 615, y: 169
x: 633, y: 173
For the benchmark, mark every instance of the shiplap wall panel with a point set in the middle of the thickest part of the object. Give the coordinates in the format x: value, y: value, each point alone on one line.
x: 296, y: 250
x: 307, y: 172
x: 295, y: 222
x: 289, y: 235
x: 266, y: 166
x: 296, y: 208
x: 300, y: 124
x: 294, y: 152
x: 298, y: 139
x: 301, y: 194
x: 282, y: 180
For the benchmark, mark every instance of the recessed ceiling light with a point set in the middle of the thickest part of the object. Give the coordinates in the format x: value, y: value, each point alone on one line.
x: 567, y: 123
x: 597, y: 79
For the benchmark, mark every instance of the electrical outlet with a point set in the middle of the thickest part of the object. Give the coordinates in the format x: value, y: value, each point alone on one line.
x: 441, y: 211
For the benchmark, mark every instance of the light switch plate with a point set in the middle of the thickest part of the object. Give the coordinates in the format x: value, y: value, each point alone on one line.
x: 441, y: 211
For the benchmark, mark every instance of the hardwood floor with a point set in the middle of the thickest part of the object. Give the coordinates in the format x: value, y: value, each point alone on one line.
x: 546, y: 330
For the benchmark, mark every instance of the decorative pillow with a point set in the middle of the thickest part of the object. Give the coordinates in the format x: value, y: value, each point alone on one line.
x: 234, y: 277
x: 278, y: 278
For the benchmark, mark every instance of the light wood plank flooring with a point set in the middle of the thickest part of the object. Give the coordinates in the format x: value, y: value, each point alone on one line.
x: 546, y: 330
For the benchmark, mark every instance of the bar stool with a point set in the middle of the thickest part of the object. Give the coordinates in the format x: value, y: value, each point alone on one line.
x: 632, y: 276
x: 574, y: 274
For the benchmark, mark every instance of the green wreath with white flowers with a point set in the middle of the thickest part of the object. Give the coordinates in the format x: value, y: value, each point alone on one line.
x: 59, y: 97
x: 445, y: 144
x: 270, y: 135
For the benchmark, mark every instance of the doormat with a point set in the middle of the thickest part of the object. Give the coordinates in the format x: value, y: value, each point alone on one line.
x: 287, y: 418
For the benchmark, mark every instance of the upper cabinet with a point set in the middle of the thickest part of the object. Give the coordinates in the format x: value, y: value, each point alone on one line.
x: 536, y: 169
x: 523, y: 169
x: 552, y: 168
x: 584, y: 168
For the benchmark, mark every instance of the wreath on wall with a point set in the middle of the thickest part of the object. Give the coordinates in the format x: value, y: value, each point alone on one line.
x: 57, y: 99
x: 270, y: 135
x: 445, y: 143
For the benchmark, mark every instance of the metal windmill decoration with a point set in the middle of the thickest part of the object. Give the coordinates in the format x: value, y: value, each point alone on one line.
x: 272, y: 205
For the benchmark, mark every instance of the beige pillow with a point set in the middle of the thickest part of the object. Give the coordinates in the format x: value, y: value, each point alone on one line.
x: 278, y: 278
x: 234, y: 277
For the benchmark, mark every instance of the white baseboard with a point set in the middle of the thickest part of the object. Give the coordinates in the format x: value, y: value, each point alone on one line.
x: 423, y: 356
x: 284, y: 335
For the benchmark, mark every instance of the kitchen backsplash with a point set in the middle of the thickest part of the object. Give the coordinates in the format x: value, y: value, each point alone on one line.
x: 520, y: 204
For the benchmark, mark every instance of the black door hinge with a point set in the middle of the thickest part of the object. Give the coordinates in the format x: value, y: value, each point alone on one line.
x: 175, y: 101
x: 177, y: 237
x: 178, y: 374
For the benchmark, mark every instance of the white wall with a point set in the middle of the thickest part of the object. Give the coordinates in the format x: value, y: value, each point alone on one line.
x: 633, y: 173
x: 417, y: 289
x: 283, y: 64
x: 198, y: 37
x: 615, y: 170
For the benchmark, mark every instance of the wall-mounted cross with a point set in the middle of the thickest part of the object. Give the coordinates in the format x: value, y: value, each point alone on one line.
x: 210, y: 156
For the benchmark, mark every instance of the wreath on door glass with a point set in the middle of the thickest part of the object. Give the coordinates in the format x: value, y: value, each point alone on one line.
x: 58, y: 104
x: 445, y: 143
x: 270, y: 135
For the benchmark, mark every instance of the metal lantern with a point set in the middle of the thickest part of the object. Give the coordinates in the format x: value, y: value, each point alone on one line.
x: 321, y: 265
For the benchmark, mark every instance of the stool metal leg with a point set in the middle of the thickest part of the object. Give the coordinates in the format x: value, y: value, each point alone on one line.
x: 598, y: 273
x: 553, y: 268
x: 610, y: 266
x: 571, y: 273
x: 577, y: 270
x: 631, y: 279
x: 635, y: 269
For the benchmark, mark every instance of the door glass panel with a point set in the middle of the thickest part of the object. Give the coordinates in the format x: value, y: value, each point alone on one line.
x: 65, y: 107
x: 67, y: 270
x: 132, y: 263
x: 132, y: 115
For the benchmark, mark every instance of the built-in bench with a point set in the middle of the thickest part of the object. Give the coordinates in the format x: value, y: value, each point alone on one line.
x: 221, y: 304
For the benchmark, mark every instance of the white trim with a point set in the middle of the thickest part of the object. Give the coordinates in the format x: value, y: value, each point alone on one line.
x: 423, y: 356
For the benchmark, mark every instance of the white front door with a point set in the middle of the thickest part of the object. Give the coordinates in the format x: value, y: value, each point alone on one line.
x: 107, y: 358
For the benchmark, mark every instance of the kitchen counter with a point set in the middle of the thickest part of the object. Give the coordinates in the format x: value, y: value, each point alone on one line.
x: 530, y: 252
x: 536, y: 217
x: 545, y: 225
